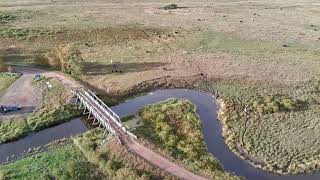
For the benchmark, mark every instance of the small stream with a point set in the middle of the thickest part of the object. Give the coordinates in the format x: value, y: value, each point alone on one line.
x: 211, y: 129
x: 20, y: 147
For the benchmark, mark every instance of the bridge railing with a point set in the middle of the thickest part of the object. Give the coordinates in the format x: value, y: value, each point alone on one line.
x: 104, y: 105
x: 97, y: 104
x: 101, y: 116
x: 109, y: 112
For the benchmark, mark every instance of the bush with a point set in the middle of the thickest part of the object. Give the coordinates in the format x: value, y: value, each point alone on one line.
x: 5, y: 17
x: 74, y: 170
x: 3, y: 66
x: 275, y: 103
x: 70, y: 58
x: 170, y: 6
x: 67, y: 58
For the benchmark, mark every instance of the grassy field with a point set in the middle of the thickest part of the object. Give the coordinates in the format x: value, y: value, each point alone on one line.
x: 53, y: 110
x: 64, y: 162
x: 5, y: 81
x: 114, y: 160
x: 175, y: 128
x: 275, y: 138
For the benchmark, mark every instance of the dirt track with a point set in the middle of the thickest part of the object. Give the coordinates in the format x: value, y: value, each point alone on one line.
x: 163, y: 163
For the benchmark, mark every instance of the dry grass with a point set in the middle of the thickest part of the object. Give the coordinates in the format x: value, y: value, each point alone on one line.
x: 278, y: 141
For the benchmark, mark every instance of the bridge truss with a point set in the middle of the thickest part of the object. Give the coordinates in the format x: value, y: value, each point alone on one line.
x: 101, y: 113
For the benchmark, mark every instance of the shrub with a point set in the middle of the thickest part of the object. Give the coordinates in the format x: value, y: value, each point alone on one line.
x: 6, y: 17
x: 41, y: 60
x: 3, y: 66
x: 67, y: 58
x: 70, y: 59
x: 52, y: 60
x: 275, y: 103
x: 170, y: 6
x: 74, y: 170
x: 288, y: 104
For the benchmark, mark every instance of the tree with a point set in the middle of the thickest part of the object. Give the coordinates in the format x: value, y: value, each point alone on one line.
x: 67, y: 58
x: 70, y: 58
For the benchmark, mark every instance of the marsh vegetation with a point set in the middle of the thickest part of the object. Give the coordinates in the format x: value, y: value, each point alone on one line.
x: 278, y: 133
x: 174, y: 127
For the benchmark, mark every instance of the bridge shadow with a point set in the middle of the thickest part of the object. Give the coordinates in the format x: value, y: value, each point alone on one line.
x: 102, y: 69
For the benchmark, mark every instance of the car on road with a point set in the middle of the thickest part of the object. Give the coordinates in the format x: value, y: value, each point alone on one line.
x: 9, y: 108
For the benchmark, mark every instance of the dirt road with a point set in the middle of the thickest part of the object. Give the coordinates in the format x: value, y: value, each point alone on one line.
x: 162, y: 163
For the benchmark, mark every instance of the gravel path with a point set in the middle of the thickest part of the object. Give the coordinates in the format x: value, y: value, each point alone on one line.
x: 23, y: 93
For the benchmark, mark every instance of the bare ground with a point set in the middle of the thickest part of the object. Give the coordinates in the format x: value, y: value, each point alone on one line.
x: 22, y: 93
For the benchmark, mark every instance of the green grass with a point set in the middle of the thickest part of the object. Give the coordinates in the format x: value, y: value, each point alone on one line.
x: 112, y: 158
x: 5, y: 81
x: 52, y: 111
x: 23, y: 33
x: 287, y: 141
x: 19, y: 60
x: 12, y: 130
x: 175, y: 127
x: 66, y: 162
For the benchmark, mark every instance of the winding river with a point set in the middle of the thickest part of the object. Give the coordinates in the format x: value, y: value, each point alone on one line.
x: 211, y: 129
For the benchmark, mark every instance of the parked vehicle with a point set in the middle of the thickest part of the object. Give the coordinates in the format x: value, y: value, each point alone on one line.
x: 10, y: 108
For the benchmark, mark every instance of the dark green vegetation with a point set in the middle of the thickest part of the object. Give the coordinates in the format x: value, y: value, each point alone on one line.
x: 22, y: 34
x: 170, y: 6
x: 175, y: 128
x: 66, y: 58
x: 279, y: 131
x: 60, y: 162
x: 5, y: 81
x: 113, y: 159
x: 6, y: 17
x: 52, y: 111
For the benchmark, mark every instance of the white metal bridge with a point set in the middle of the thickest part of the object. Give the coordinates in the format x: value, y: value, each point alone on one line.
x: 101, y: 114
